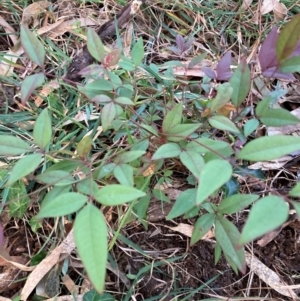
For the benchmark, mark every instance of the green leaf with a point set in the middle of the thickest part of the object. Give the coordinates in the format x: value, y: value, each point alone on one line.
x: 124, y: 174
x: 266, y: 214
x: 115, y: 194
x: 66, y: 165
x: 122, y: 100
x: 168, y: 150
x: 32, y: 46
x: 236, y: 203
x: 227, y: 236
x: 56, y: 177
x: 87, y: 186
x: 250, y: 126
x: 295, y: 192
x: 223, y: 96
x: 12, y: 146
x: 84, y: 146
x: 206, y: 145
x: 108, y: 114
x: 181, y: 131
x: 127, y: 65
x: 172, y: 118
x: 202, y: 226
x: 42, y: 131
x: 218, y: 253
x: 240, y: 81
x: 269, y: 148
x: 94, y: 45
x: 105, y: 170
x: 101, y: 98
x: 223, y: 123
x: 214, y: 175
x: 193, y: 161
x: 288, y: 39
x: 137, y: 53
x: 29, y: 84
x: 290, y: 65
x: 142, y: 206
x: 231, y: 187
x: 263, y: 106
x: 115, y: 79
x: 278, y: 117
x: 55, y: 192
x: 90, y: 234
x: 24, y: 167
x: 129, y: 156
x: 98, y: 86
x: 92, y: 295
x: 185, y: 202
x: 63, y: 204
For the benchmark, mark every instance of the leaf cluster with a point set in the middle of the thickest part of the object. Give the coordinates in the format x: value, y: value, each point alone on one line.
x: 158, y: 132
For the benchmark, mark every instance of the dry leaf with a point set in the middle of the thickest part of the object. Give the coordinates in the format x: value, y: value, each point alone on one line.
x: 9, y: 30
x: 66, y: 247
x: 268, y: 238
x: 270, y: 165
x: 195, y: 71
x: 49, y: 28
x: 82, y: 116
x: 69, y: 284
x: 4, y: 299
x: 279, y: 9
x: 70, y: 25
x: 184, y: 229
x: 269, y: 276
x: 187, y: 230
x: 46, y: 90
x: 246, y: 4
x: 31, y: 12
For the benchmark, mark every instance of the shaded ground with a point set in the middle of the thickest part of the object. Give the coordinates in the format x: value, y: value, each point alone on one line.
x: 193, y: 274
